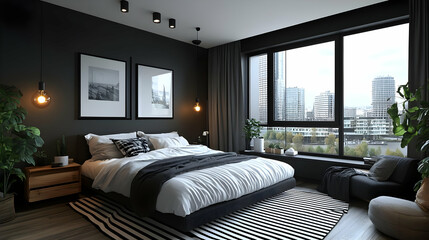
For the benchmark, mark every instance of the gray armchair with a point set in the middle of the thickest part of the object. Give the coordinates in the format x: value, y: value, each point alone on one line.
x: 400, y: 184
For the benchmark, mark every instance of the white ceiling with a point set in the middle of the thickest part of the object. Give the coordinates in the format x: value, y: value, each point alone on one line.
x: 221, y: 21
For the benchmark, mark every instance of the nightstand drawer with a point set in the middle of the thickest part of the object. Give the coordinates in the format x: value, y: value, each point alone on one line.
x: 53, y: 179
x: 44, y: 182
x: 55, y: 191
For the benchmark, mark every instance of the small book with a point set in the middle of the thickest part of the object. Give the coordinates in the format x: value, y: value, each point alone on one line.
x: 56, y: 165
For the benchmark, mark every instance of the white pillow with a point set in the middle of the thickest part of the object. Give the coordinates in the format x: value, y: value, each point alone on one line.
x: 165, y: 142
x: 102, y: 148
x: 156, y: 135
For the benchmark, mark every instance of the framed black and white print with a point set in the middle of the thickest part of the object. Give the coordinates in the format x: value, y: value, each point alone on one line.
x: 154, y: 92
x: 103, y: 88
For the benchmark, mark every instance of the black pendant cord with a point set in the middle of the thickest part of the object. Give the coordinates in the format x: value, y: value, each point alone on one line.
x: 197, y: 43
x: 197, y: 71
x: 41, y: 46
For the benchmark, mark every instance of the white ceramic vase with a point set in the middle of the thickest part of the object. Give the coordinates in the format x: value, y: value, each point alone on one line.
x: 62, y: 159
x: 258, y: 145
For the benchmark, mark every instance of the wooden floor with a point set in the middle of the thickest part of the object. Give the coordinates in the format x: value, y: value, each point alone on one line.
x: 54, y: 219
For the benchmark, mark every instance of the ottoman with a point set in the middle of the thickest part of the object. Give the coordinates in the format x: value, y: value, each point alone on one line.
x: 399, y: 218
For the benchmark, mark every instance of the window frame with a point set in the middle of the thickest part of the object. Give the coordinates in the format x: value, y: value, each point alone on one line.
x: 338, y: 39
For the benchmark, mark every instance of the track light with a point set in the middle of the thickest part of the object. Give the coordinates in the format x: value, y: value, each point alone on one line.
x: 124, y: 6
x: 157, y: 17
x: 172, y: 23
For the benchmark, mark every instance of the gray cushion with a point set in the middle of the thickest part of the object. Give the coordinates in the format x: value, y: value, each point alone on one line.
x: 401, y: 219
x: 383, y: 168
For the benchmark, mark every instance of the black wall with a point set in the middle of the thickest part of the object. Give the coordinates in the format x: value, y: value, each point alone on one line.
x: 67, y: 33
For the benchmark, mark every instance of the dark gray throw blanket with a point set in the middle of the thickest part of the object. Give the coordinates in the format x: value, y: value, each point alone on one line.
x: 336, y: 182
x: 147, y: 183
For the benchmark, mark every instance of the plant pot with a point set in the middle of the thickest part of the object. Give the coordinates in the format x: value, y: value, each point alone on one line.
x: 279, y: 151
x: 62, y: 159
x: 422, y: 196
x: 7, y: 208
x: 259, y: 144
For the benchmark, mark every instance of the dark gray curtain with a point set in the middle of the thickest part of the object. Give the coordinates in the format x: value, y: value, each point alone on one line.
x: 227, y: 98
x: 418, y: 62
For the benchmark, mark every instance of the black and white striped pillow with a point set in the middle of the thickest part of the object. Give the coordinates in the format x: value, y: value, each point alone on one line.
x: 132, y: 146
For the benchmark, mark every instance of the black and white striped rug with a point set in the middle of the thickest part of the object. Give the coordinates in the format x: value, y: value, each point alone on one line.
x: 292, y: 214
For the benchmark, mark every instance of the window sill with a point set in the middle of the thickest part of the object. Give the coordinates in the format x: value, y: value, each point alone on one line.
x: 311, y: 167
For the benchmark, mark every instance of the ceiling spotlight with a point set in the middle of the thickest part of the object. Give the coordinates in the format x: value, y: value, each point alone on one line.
x: 157, y: 17
x: 172, y: 23
x: 124, y: 6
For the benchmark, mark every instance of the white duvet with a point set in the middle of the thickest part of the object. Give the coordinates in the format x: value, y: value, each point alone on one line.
x: 189, y: 192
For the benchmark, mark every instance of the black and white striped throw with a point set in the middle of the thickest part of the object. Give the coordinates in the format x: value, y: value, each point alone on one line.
x: 292, y: 214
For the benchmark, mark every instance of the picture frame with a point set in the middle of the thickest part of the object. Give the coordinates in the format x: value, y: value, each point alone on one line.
x: 155, y: 92
x: 104, y: 88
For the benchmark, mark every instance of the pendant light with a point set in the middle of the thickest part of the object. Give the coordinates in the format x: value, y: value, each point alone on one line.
x: 41, y: 98
x: 197, y: 42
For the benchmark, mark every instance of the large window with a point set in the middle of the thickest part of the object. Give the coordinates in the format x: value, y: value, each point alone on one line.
x: 304, y: 83
x: 375, y: 64
x: 331, y: 95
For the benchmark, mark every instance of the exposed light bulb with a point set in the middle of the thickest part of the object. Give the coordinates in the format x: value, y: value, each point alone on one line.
x: 41, y: 98
x: 197, y: 107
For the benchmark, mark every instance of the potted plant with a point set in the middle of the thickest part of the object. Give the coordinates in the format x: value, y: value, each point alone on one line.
x: 62, y: 156
x: 412, y: 123
x: 278, y: 149
x: 18, y: 143
x: 271, y: 147
x: 40, y: 157
x: 252, y: 129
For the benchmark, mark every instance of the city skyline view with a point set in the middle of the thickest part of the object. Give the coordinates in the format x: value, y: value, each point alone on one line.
x: 374, y: 65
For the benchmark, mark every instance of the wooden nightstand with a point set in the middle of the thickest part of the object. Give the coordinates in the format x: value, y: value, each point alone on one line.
x: 47, y: 182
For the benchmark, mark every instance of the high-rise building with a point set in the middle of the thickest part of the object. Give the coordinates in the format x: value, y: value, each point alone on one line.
x: 279, y: 86
x: 258, y: 88
x: 324, y: 107
x: 295, y: 104
x: 263, y: 105
x: 383, y: 96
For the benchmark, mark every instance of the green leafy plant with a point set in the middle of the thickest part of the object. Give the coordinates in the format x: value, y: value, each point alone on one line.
x: 252, y: 129
x: 277, y: 146
x: 423, y: 169
x: 271, y: 145
x: 412, y: 123
x: 18, y: 142
x: 61, y: 146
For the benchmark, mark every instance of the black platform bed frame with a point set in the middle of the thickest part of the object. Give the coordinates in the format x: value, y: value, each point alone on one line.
x: 205, y: 215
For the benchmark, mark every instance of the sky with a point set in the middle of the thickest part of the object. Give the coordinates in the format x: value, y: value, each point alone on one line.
x: 382, y: 52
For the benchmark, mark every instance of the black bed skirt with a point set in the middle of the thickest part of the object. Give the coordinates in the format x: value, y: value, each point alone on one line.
x: 207, y: 214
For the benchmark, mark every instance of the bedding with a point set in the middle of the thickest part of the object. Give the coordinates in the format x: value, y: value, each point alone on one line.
x: 131, y: 146
x: 166, y: 142
x: 147, y: 183
x: 188, y: 192
x: 102, y: 148
x: 156, y: 135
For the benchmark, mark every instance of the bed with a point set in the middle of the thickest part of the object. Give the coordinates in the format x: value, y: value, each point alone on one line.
x: 190, y: 198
